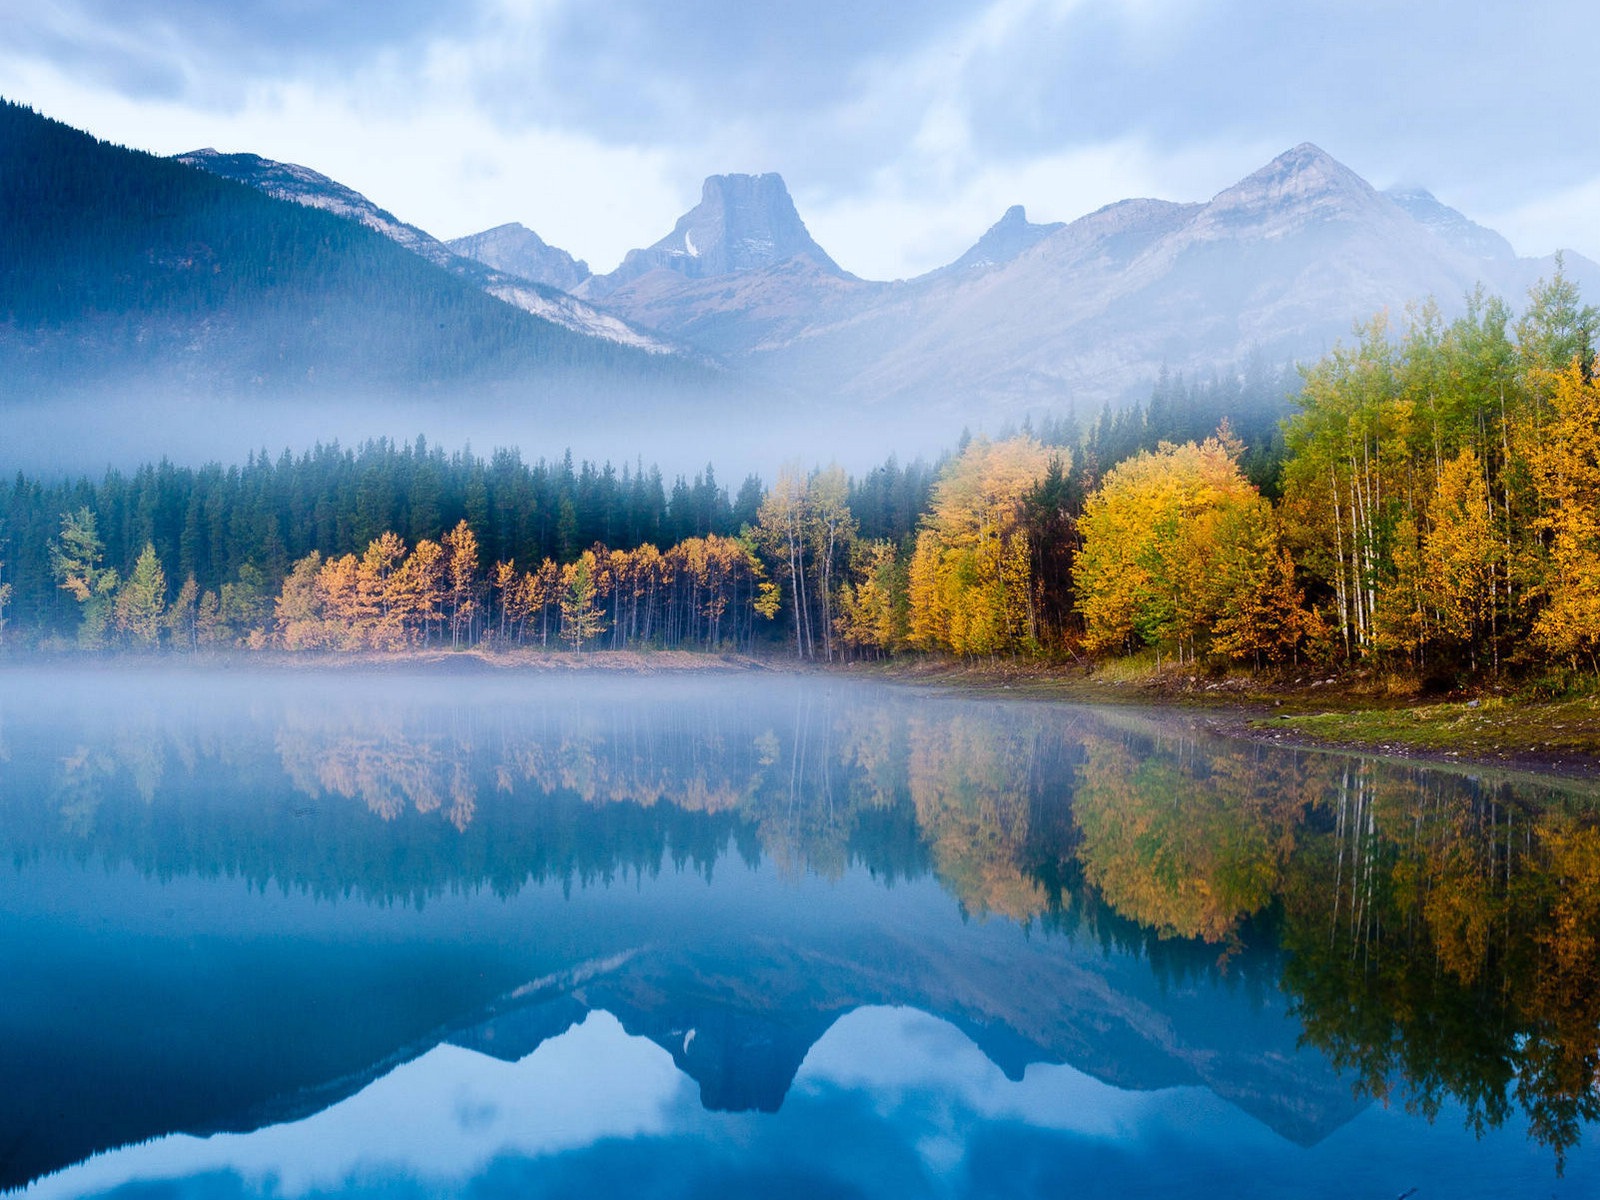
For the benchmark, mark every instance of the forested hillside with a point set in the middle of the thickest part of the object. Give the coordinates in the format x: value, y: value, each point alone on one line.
x: 125, y: 271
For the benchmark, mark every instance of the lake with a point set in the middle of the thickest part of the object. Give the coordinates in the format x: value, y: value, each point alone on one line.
x: 300, y: 933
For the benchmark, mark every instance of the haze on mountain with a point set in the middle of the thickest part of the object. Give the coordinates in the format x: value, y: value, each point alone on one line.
x: 1047, y: 317
x: 151, y: 309
x: 149, y: 291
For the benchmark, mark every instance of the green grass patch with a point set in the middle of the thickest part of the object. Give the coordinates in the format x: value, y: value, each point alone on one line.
x: 1492, y: 728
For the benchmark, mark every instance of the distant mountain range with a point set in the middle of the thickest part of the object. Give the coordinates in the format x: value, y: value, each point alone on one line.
x: 1281, y: 264
x: 124, y: 266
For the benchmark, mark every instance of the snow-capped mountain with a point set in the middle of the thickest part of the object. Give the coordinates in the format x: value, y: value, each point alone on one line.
x: 302, y: 185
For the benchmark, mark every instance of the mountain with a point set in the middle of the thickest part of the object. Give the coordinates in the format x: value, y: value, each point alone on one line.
x: 518, y: 250
x: 532, y: 293
x: 1281, y: 265
x: 1451, y: 226
x: 1006, y: 238
x: 742, y: 223
x: 130, y: 275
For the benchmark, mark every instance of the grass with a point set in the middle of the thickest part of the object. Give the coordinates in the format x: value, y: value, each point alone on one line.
x: 1491, y: 728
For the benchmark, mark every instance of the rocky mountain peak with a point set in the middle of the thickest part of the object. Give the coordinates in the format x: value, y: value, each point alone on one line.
x: 1299, y: 188
x: 518, y: 250
x: 742, y: 223
x: 1008, y: 237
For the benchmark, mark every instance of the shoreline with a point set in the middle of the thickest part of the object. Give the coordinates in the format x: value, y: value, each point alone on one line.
x: 1548, y: 738
x: 1335, y: 714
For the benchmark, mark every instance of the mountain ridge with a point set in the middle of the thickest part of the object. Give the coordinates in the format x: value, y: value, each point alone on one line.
x: 1284, y: 262
x: 518, y: 250
x: 312, y: 189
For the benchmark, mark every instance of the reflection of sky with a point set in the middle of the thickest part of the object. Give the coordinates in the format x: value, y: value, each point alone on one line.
x: 890, y: 1102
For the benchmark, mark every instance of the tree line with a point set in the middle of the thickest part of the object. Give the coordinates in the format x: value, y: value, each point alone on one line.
x: 1428, y: 505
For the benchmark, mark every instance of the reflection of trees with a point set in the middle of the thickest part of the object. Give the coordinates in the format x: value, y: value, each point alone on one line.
x: 1442, y: 935
x: 971, y: 780
x: 1187, y: 842
x: 1443, y: 939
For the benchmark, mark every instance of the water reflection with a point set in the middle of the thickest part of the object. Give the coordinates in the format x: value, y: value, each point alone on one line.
x: 1433, y: 935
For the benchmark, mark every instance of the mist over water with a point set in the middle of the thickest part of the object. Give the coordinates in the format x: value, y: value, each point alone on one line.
x: 477, y: 927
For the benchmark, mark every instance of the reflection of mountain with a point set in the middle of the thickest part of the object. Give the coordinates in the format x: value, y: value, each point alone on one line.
x: 234, y: 907
x: 252, y: 1036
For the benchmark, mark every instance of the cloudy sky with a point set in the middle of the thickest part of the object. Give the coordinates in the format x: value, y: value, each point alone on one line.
x: 903, y: 129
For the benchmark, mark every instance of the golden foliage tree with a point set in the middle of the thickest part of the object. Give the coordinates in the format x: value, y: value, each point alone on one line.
x: 1565, y: 463
x: 970, y: 577
x: 1179, y: 546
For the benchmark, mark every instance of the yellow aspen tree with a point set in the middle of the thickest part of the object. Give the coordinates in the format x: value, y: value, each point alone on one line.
x: 337, y: 581
x: 142, y: 601
x: 1565, y: 463
x: 416, y: 591
x: 782, y: 522
x: 461, y: 578
x: 1153, y: 542
x: 971, y: 574
x: 298, y: 611
x: 1462, y: 552
x: 383, y: 619
x: 581, y: 618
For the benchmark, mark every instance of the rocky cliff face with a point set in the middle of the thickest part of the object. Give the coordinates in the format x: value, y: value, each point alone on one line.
x: 742, y: 223
x: 518, y: 250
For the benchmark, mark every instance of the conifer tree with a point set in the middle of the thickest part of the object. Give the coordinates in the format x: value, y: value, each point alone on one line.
x: 142, y: 601
x: 581, y: 618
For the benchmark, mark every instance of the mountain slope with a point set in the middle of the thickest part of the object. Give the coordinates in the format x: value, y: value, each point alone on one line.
x: 1283, y: 263
x: 530, y: 293
x: 518, y: 250
x: 1451, y: 226
x: 133, y: 272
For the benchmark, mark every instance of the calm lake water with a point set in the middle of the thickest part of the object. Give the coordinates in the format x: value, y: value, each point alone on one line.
x: 422, y: 934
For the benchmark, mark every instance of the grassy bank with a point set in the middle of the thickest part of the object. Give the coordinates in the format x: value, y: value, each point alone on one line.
x: 1375, y: 713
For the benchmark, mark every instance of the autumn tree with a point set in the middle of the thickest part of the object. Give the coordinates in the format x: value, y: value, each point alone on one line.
x: 581, y: 618
x: 970, y: 576
x: 783, y: 519
x: 142, y: 601
x: 869, y: 618
x: 832, y: 530
x: 183, y: 616
x: 298, y: 611
x: 1565, y: 464
x: 461, y: 581
x: 1177, y: 545
x: 75, y: 559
